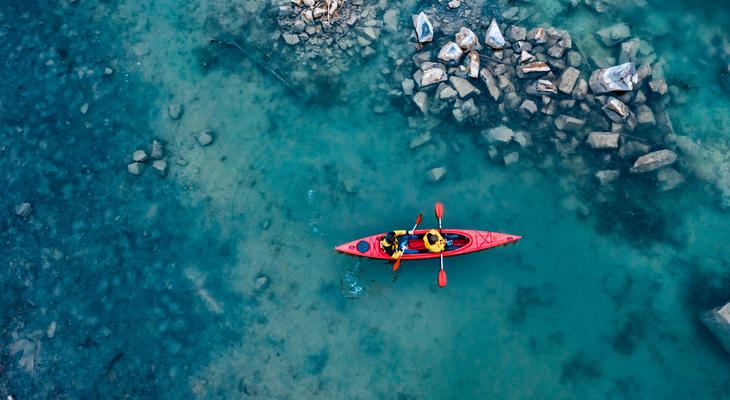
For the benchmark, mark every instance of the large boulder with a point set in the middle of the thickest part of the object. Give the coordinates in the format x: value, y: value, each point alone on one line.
x: 494, y: 38
x: 499, y: 134
x: 451, y: 53
x: 466, y: 39
x: 654, y: 161
x: 603, y: 140
x: 463, y: 87
x: 424, y: 28
x: 432, y: 76
x: 619, y: 78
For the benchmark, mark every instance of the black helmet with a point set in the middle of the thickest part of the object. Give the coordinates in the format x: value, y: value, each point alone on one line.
x: 389, y: 238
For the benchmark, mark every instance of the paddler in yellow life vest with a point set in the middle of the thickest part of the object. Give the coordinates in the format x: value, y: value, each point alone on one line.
x: 434, y: 242
x: 391, y: 245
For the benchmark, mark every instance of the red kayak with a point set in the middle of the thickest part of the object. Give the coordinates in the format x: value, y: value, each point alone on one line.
x: 462, y: 242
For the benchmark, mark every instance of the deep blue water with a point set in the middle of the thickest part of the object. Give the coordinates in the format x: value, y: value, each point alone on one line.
x: 218, y: 280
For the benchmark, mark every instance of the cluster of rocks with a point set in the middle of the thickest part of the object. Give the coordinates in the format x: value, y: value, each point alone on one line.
x: 156, y: 158
x: 537, y: 87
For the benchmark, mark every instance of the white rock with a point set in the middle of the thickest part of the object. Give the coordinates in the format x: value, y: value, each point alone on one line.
x: 432, y: 76
x: 135, y: 168
x: 529, y: 106
x: 108, y: 71
x: 494, y: 38
x: 421, y: 100
x: 466, y: 39
x: 454, y: 4
x: 526, y: 57
x: 499, y: 134
x: 435, y: 174
x: 718, y: 322
x: 291, y: 39
x: 473, y: 64
x: 24, y: 210
x: 451, y: 53
x: 158, y: 150
x: 139, y: 156
x: 424, y: 28
x: 603, y: 140
x: 511, y: 158
x: 160, y: 167
x: 538, y: 67
x: 204, y: 138
x: 544, y: 86
x: 619, y: 78
x: 654, y: 161
x: 463, y: 87
x: 607, y: 176
x: 408, y: 86
x: 84, y: 108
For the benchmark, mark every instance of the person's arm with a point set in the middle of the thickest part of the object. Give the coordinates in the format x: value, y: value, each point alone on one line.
x: 397, y: 254
x: 400, y: 232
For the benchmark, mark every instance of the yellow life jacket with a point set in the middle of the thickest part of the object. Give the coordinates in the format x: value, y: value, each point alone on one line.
x: 437, y: 247
x: 393, y: 248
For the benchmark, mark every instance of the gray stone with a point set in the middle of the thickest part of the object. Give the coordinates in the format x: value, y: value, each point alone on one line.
x: 451, y: 53
x: 658, y: 86
x: 490, y: 83
x: 603, y: 140
x: 24, y: 210
x: 494, y: 38
x: 574, y: 59
x: 466, y: 109
x: 619, y: 78
x: 160, y: 167
x: 654, y: 161
x: 158, y: 149
x: 628, y: 51
x: 446, y: 92
x: 409, y: 86
x: 632, y: 149
x: 644, y: 116
x: 529, y: 106
x: 370, y: 33
x: 421, y: 100
x: 516, y: 33
x: 511, y: 158
x: 568, y: 123
x: 544, y: 86
x: 291, y: 39
x: 390, y: 20
x: 420, y: 140
x: 668, y: 179
x: 718, y: 322
x: 135, y: 168
x: 424, y: 28
x: 537, y: 35
x: 499, y: 134
x: 435, y: 174
x: 108, y: 71
x: 261, y: 283
x: 466, y: 39
x: 581, y: 89
x: 616, y: 110
x: 607, y: 176
x: 556, y: 51
x: 463, y: 87
x: 524, y: 139
x: 175, y: 111
x: 139, y: 156
x: 432, y: 76
x: 614, y: 34
x: 204, y: 138
x: 567, y: 80
x: 512, y: 100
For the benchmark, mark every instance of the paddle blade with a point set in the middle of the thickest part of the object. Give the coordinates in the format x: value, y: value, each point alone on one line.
x: 418, y: 220
x: 396, y: 265
x: 442, y: 278
x: 439, y: 210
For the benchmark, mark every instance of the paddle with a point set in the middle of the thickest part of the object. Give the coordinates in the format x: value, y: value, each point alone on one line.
x: 418, y: 221
x: 442, y: 273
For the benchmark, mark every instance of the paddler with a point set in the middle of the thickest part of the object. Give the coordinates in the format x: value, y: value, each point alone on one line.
x: 395, y: 243
x: 434, y: 242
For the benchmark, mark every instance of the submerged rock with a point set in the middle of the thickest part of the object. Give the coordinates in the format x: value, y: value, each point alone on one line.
x: 619, y: 78
x: 24, y: 210
x: 603, y: 140
x: 658, y: 86
x: 668, y: 179
x: 490, y: 83
x: 567, y: 80
x: 424, y: 28
x: 135, y: 168
x: 175, y: 111
x: 463, y: 87
x: 494, y: 38
x: 718, y: 322
x: 466, y: 39
x: 511, y: 158
x: 204, y: 138
x: 568, y: 123
x: 516, y: 33
x: 614, y: 34
x: 607, y: 176
x: 499, y: 134
x: 139, y: 156
x: 451, y: 53
x: 435, y: 174
x: 654, y: 161
x: 421, y: 100
x: 616, y: 110
x: 158, y: 149
x: 644, y: 116
x: 160, y: 167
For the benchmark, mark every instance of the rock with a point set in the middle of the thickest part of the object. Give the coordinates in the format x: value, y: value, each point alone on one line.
x: 261, y: 283
x: 567, y: 80
x: 108, y: 71
x: 420, y: 140
x: 84, y: 108
x: 23, y: 210
x: 529, y: 106
x: 537, y: 36
x: 556, y: 51
x: 658, y: 86
x: 463, y: 87
x: 544, y: 86
x: 139, y: 156
x: 718, y: 322
x: 568, y: 123
x: 632, y: 149
x: 616, y: 110
x: 204, y: 138
x: 158, y: 150
x: 408, y: 85
x: 516, y: 33
x: 526, y: 57
x: 640, y: 97
x: 499, y: 134
x: 318, y: 12
x: 628, y: 51
x: 135, y: 168
x: 619, y: 78
x: 580, y: 91
x: 431, y: 76
x: 603, y: 140
x: 446, y: 92
x: 466, y: 39
x: 534, y: 68
x: 424, y: 28
x: 362, y: 41
x: 574, y: 59
x: 644, y: 116
x: 421, y: 100
x: 454, y: 4
x: 512, y: 100
x: 654, y: 161
x: 370, y: 33
x: 614, y: 34
x: 160, y: 167
x: 291, y: 39
x: 490, y: 83
x: 494, y: 38
x: 511, y: 14
x: 175, y: 111
x: 466, y: 109
x: 668, y: 179
x: 473, y: 64
x: 451, y: 53
x: 390, y: 20
x: 435, y: 174
x: 511, y: 158
x: 607, y: 176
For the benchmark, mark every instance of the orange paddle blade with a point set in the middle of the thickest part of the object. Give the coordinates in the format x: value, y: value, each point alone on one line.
x: 442, y: 278
x: 439, y: 210
x: 396, y: 265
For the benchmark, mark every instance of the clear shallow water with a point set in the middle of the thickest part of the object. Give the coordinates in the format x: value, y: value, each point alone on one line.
x: 151, y: 282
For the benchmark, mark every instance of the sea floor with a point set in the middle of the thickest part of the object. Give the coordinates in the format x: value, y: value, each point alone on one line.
x: 218, y: 279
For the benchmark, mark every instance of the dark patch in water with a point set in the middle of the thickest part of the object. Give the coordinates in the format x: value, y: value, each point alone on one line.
x: 579, y: 368
x: 630, y: 333
x: 318, y: 362
x: 525, y: 298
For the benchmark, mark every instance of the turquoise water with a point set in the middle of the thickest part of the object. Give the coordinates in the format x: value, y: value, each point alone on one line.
x: 146, y: 286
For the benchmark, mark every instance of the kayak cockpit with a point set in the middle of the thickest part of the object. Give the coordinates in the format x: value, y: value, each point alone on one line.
x: 417, y: 246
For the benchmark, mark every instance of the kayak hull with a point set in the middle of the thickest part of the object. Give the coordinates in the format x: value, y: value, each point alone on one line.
x: 469, y: 241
